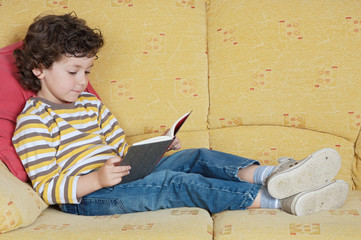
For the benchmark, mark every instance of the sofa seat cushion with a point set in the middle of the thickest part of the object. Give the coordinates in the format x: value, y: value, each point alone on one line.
x: 342, y: 223
x: 179, y: 223
x: 268, y: 143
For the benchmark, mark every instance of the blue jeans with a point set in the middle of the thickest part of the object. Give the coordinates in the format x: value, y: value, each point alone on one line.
x: 190, y: 178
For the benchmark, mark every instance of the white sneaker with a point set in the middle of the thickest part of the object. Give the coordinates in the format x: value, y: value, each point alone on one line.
x: 330, y: 196
x: 291, y: 177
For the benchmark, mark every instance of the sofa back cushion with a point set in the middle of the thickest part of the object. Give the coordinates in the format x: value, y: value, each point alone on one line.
x: 288, y: 64
x: 153, y: 67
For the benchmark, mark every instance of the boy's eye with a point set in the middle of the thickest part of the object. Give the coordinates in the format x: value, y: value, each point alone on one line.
x: 74, y: 73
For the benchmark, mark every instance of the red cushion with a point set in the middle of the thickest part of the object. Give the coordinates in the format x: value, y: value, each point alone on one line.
x: 12, y: 100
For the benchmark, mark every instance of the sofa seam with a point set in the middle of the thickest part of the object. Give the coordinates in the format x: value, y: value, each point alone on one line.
x: 207, y: 5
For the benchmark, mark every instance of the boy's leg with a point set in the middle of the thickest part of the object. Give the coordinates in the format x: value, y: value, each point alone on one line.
x: 255, y: 174
x: 216, y: 164
x: 265, y: 200
x: 168, y: 189
x: 288, y: 178
x: 208, y: 163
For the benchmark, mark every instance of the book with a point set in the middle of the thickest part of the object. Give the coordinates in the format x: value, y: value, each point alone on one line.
x: 144, y: 156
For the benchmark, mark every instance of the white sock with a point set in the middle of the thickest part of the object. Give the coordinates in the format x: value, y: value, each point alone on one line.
x: 261, y: 174
x: 267, y: 201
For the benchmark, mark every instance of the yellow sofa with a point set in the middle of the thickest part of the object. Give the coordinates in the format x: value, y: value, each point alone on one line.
x: 264, y: 78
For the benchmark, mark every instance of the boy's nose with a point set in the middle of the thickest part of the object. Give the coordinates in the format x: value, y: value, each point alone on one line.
x: 82, y: 79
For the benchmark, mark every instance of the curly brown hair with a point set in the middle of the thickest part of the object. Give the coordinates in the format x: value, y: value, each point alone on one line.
x: 48, y: 39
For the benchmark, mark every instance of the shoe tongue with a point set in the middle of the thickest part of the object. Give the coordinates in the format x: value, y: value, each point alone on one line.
x: 286, y: 159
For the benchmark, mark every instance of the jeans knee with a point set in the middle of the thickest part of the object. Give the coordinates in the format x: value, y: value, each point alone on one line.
x: 202, y: 151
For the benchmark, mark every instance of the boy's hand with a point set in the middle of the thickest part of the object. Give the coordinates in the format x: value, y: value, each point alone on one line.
x: 176, y: 144
x: 108, y: 175
x: 111, y: 173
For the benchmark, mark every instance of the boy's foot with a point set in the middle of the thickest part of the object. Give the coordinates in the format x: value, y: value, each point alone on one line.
x: 291, y: 177
x: 332, y: 195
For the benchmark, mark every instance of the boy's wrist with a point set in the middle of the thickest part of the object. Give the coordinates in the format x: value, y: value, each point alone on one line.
x: 88, y: 183
x: 95, y: 180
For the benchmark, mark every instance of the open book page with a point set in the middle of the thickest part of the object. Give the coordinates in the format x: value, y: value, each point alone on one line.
x: 152, y: 140
x: 177, y: 125
x: 170, y: 134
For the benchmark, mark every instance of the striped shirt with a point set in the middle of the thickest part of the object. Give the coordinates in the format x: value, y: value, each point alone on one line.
x: 57, y: 143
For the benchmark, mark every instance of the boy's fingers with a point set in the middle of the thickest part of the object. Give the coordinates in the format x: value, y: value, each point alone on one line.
x: 125, y: 173
x: 113, y: 160
x: 122, y: 169
x: 176, y: 145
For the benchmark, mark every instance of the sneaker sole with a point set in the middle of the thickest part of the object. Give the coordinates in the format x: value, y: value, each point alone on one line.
x: 330, y: 196
x: 314, y: 171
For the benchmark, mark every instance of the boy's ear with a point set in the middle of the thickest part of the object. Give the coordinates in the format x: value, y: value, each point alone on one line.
x: 39, y: 73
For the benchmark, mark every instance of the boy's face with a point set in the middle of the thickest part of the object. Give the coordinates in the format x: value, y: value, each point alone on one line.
x: 65, y: 80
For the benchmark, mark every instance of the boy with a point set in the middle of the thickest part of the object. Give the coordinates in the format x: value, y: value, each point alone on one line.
x: 71, y: 146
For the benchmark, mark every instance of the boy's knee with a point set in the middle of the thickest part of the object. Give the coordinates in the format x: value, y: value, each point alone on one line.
x: 201, y: 151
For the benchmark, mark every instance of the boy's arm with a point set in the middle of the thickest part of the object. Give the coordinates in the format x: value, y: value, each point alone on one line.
x: 114, y: 135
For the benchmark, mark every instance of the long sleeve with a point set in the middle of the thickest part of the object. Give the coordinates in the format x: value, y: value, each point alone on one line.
x: 36, y: 142
x: 114, y: 135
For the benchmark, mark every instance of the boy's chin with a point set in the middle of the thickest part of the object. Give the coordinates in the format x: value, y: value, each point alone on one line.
x: 74, y: 96
x: 69, y: 100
